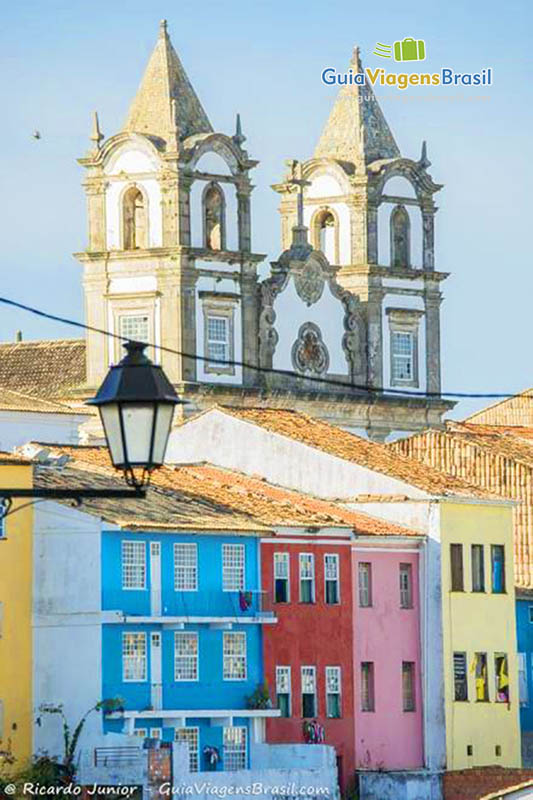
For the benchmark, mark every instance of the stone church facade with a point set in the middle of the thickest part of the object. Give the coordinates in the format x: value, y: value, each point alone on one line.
x: 346, y: 326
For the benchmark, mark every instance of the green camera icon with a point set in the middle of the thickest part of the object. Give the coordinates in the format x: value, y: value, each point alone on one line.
x: 410, y: 50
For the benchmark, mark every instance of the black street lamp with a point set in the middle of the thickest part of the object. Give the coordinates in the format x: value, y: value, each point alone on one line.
x: 136, y: 402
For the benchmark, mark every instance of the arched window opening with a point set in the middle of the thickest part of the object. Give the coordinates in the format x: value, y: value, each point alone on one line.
x: 400, y: 238
x: 214, y: 218
x: 326, y: 235
x: 135, y: 221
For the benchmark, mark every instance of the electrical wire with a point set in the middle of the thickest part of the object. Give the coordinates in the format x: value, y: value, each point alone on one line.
x: 373, y: 390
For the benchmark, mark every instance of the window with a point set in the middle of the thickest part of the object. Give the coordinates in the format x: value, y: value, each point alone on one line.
x: 185, y: 567
x: 523, y: 692
x: 308, y: 692
x: 234, y: 749
x: 456, y: 561
x: 135, y: 327
x: 190, y: 737
x: 185, y: 656
x: 134, y: 565
x: 141, y: 732
x: 331, y: 578
x: 134, y: 657
x: 213, y: 202
x: 134, y: 220
x: 501, y: 674
x: 365, y: 584
x: 497, y: 554
x: 307, y: 578
x: 478, y: 568
x: 234, y: 656
x: 283, y: 690
x: 156, y: 733
x: 406, y: 586
x: 408, y: 686
x: 399, y: 237
x: 460, y: 677
x: 325, y: 234
x: 367, y: 686
x: 233, y: 567
x: 531, y: 613
x: 333, y: 692
x: 482, y: 679
x: 217, y: 340
x: 402, y: 357
x: 281, y: 577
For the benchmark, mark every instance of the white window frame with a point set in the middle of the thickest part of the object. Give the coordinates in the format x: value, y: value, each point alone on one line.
x: 219, y: 306
x: 523, y: 688
x: 156, y: 733
x: 133, y: 333
x: 335, y: 559
x: 186, y: 573
x: 364, y: 590
x: 194, y: 751
x: 308, y: 671
x: 530, y: 614
x: 131, y: 564
x: 232, y: 655
x: 404, y: 321
x: 402, y: 362
x: 283, y: 673
x: 307, y: 575
x: 233, y: 569
x: 235, y: 750
x: 186, y: 659
x: 143, y: 659
x: 337, y: 673
x: 141, y: 732
x: 406, y: 589
x: 284, y: 559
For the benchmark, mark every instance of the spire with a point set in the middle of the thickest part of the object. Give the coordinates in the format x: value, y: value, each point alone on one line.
x: 238, y: 137
x: 356, y: 129
x: 165, y: 80
x: 424, y: 161
x: 96, y: 134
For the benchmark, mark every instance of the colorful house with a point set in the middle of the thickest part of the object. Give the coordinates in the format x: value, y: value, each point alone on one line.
x: 306, y: 454
x: 15, y: 619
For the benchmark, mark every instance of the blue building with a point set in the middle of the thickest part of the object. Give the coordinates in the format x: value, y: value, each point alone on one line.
x: 524, y: 623
x: 186, y: 651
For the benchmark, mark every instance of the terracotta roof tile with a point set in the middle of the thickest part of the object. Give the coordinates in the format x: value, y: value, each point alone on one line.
x: 516, y: 410
x: 335, y: 441
x: 238, y: 494
x: 17, y: 401
x: 46, y: 368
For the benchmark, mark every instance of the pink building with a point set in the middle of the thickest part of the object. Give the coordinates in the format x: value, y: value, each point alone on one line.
x: 387, y: 654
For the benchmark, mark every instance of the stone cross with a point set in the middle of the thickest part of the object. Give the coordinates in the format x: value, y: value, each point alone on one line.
x: 298, y: 180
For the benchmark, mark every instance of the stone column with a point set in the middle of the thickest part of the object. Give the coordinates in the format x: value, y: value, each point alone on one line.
x: 96, y: 216
x: 184, y: 210
x: 170, y: 210
x: 375, y: 337
x: 428, y: 240
x: 244, y: 218
x: 372, y: 233
x: 250, y: 323
x: 432, y: 301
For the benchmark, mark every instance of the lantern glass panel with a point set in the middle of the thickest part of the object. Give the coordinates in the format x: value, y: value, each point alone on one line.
x: 138, y: 420
x: 165, y: 412
x: 110, y: 415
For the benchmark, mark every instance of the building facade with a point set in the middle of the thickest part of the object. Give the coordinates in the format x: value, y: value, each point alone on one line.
x: 16, y: 650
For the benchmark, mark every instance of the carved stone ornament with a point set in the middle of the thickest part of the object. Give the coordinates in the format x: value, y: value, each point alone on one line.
x: 309, y: 283
x: 309, y: 353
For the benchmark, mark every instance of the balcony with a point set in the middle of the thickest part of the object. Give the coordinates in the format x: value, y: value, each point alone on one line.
x: 212, y: 608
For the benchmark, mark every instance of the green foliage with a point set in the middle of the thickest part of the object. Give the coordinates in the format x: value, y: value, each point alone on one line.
x: 260, y: 698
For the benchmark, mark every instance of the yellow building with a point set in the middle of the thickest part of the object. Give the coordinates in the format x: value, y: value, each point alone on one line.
x: 15, y: 620
x: 479, y: 636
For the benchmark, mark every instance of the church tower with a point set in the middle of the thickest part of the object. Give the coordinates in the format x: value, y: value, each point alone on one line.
x: 169, y: 258
x: 370, y: 211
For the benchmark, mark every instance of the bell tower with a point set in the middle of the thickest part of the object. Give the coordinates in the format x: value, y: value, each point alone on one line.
x: 370, y: 211
x: 169, y: 257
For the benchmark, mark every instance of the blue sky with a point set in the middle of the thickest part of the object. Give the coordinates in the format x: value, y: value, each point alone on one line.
x: 61, y: 60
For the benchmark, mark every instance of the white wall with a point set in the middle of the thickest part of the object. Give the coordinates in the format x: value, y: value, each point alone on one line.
x: 292, y: 312
x: 67, y: 643
x: 19, y: 427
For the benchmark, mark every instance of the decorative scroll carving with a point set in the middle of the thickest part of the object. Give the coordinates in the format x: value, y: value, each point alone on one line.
x: 309, y: 354
x: 309, y: 283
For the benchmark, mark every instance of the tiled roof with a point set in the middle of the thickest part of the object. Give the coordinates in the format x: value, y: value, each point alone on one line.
x: 517, y: 410
x: 494, y: 458
x: 255, y: 499
x: 9, y: 459
x: 47, y: 368
x: 16, y: 401
x: 337, y: 442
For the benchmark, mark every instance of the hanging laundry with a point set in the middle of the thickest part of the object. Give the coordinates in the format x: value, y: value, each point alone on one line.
x: 245, y: 600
